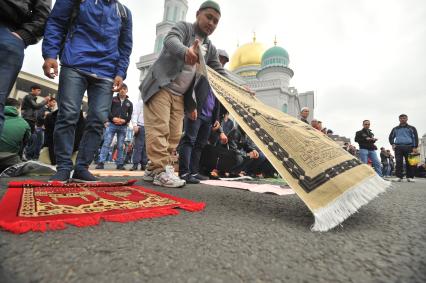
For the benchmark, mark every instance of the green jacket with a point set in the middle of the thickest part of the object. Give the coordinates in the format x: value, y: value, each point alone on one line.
x: 16, y: 131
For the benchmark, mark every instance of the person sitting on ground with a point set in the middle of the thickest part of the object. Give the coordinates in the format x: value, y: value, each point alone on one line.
x: 250, y: 160
x: 15, y: 135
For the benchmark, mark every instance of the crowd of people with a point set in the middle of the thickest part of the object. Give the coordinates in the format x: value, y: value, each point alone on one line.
x: 177, y: 118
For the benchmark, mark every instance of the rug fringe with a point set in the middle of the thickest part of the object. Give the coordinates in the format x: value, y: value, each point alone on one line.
x: 23, y: 226
x: 348, y: 203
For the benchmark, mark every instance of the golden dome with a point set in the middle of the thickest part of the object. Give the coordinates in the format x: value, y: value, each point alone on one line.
x: 249, y: 54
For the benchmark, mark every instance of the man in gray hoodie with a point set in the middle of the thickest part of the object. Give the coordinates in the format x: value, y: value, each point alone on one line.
x: 167, y: 90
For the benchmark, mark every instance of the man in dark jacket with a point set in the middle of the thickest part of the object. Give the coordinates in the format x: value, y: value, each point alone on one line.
x: 404, y: 141
x: 30, y: 107
x: 367, y: 149
x: 94, y: 47
x: 169, y: 82
x: 21, y: 24
x: 118, y: 121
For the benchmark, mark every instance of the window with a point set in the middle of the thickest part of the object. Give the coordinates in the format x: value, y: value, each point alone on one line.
x: 175, y: 12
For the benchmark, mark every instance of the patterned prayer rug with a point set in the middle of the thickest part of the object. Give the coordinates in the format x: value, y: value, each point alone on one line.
x: 40, y: 206
x: 330, y: 181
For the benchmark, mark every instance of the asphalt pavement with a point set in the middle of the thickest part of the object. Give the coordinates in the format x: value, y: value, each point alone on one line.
x: 239, y: 237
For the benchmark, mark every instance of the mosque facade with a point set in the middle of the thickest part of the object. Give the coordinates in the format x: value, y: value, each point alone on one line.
x: 265, y: 71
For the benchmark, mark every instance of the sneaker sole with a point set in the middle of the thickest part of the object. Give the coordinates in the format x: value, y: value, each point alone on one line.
x: 72, y: 180
x: 58, y: 181
x: 167, y: 185
x: 148, y: 178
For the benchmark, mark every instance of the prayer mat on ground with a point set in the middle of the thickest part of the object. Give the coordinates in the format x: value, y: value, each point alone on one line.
x: 331, y: 182
x: 39, y: 206
x: 257, y: 188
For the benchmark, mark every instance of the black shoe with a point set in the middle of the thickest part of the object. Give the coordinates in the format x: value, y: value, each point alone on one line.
x: 100, y: 165
x: 143, y: 167
x: 61, y: 176
x: 84, y: 176
x: 134, y: 167
x: 189, y: 179
x: 200, y: 177
x: 121, y: 167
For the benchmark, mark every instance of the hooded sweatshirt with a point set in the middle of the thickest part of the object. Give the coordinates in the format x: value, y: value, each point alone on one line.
x: 15, y: 133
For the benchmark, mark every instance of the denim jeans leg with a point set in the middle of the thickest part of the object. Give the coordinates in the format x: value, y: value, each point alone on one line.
x: 72, y: 86
x: 121, y: 135
x: 187, y: 143
x: 139, y: 149
x: 363, y: 155
x: 399, y: 155
x: 12, y: 57
x: 201, y: 141
x: 376, y: 162
x: 144, y: 156
x: 99, y: 93
x: 106, y: 146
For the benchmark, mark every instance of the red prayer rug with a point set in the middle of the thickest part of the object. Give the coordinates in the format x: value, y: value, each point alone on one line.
x: 40, y: 206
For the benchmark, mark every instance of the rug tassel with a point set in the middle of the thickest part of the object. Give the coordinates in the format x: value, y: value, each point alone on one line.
x: 84, y: 221
x: 348, y: 203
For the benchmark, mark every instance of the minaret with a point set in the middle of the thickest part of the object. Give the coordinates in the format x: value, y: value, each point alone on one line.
x: 174, y: 11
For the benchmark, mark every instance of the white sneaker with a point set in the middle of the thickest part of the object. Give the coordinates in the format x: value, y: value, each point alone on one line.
x: 168, y: 179
x: 399, y: 180
x: 148, y: 175
x: 410, y: 180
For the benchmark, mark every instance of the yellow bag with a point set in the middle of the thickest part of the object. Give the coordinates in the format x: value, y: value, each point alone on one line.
x: 414, y: 159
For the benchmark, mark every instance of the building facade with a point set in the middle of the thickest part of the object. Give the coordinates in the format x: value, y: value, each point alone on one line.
x: 422, y: 148
x: 265, y: 71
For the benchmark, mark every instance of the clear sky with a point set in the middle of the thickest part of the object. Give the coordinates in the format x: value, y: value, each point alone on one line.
x: 364, y: 59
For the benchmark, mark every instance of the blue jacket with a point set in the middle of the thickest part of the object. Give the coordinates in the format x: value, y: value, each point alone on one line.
x: 404, y: 135
x: 100, y: 44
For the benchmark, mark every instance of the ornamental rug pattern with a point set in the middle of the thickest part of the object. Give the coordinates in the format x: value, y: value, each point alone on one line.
x: 293, y: 147
x: 46, y: 201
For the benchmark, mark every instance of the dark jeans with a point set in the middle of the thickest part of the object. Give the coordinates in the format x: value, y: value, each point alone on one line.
x: 192, y: 143
x: 139, y: 148
x: 72, y: 86
x: 35, y: 145
x: 11, y: 58
x: 31, y: 123
x: 110, y: 131
x: 402, y: 152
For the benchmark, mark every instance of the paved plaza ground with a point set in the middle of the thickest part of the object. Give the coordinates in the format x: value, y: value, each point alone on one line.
x: 239, y: 237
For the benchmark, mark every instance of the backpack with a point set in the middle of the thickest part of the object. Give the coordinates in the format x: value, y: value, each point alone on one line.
x: 74, y: 15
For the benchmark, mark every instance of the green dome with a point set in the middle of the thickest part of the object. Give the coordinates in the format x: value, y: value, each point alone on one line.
x: 275, y: 56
